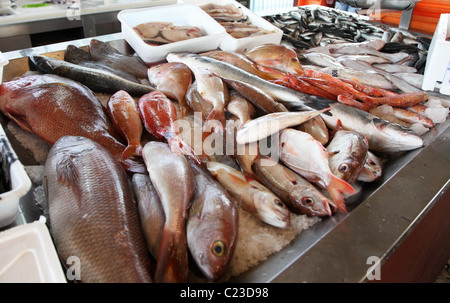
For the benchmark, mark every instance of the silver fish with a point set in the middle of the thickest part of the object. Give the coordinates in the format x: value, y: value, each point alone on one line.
x: 367, y: 58
x: 362, y: 76
x: 347, y: 154
x: 395, y: 68
x: 322, y: 59
x: 300, y: 196
x: 365, y: 50
x: 372, y: 170
x: 251, y: 195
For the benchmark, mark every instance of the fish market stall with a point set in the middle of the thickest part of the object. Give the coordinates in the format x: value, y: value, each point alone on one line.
x: 348, y: 246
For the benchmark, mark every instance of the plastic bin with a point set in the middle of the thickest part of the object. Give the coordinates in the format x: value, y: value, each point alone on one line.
x: 3, y: 62
x: 178, y: 14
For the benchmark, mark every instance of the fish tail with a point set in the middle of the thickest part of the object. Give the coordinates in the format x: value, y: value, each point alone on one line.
x: 217, y: 115
x: 131, y: 151
x: 179, y: 147
x: 337, y: 188
x: 172, y: 263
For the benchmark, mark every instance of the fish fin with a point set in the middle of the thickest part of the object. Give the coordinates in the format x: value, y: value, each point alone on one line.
x: 68, y: 175
x: 134, y: 165
x: 131, y: 150
x: 19, y: 121
x: 179, y: 147
x: 217, y: 115
x: 336, y: 188
x: 172, y: 262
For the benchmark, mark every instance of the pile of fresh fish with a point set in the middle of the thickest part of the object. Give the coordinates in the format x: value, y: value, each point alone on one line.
x: 293, y: 152
x: 232, y: 18
x: 160, y: 33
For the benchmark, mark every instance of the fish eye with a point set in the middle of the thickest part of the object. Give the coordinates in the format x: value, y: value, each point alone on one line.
x: 218, y: 248
x: 343, y: 168
x: 372, y: 163
x: 307, y: 200
x: 279, y: 203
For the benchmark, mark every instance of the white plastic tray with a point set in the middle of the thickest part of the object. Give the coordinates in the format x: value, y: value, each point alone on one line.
x: 178, y: 14
x: 230, y: 43
x: 3, y: 62
x: 27, y: 255
x: 14, y: 172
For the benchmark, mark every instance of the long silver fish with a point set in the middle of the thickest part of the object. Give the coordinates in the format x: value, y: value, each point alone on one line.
x: 174, y: 181
x: 299, y: 195
x: 382, y: 135
x: 347, y: 154
x: 212, y: 225
x: 322, y: 59
x: 251, y: 195
x: 93, y: 213
x: 372, y: 79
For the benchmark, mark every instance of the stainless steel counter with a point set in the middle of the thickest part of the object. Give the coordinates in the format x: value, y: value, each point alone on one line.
x: 337, y: 249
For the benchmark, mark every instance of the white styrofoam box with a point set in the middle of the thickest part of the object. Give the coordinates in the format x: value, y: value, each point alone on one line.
x: 28, y: 255
x: 230, y: 43
x: 19, y: 181
x: 3, y: 62
x: 438, y: 59
x: 178, y: 14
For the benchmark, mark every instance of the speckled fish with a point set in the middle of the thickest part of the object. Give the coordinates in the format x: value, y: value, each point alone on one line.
x: 372, y: 170
x: 173, y: 179
x: 212, y: 225
x: 98, y: 80
x: 251, y: 195
x: 347, y: 154
x: 299, y: 195
x: 93, y: 213
x: 81, y: 57
x: 382, y: 135
x: 107, y: 54
x: 151, y: 212
x: 52, y: 107
x: 264, y: 126
x: 172, y: 79
x: 159, y: 115
x: 126, y: 120
x: 307, y: 157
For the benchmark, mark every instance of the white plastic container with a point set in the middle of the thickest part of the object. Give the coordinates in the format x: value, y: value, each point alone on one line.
x: 14, y: 172
x: 438, y: 60
x: 178, y: 14
x: 27, y: 255
x: 3, y: 62
x: 230, y: 43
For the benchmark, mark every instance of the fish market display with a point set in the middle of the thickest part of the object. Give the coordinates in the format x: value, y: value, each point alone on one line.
x: 126, y: 120
x: 173, y: 179
x: 212, y: 225
x: 53, y: 107
x: 233, y: 19
x: 251, y: 195
x: 93, y: 213
x: 96, y: 79
x: 159, y: 33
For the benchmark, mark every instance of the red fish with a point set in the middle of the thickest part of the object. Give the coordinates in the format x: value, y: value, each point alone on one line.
x: 53, y: 107
x: 159, y: 116
x: 126, y: 120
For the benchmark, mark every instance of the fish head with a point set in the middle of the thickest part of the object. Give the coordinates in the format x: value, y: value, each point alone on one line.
x: 272, y: 210
x: 312, y: 202
x: 391, y: 137
x: 348, y: 167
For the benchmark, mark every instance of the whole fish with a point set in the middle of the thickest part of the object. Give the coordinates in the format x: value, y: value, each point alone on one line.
x: 267, y: 125
x: 151, y: 212
x: 300, y: 196
x: 412, y: 117
x: 317, y: 128
x: 366, y: 58
x: 365, y: 50
x: 372, y: 170
x: 96, y: 79
x: 322, y: 59
x: 159, y: 116
x: 172, y: 79
x: 212, y: 225
x: 382, y: 135
x: 196, y: 101
x: 93, y: 213
x: 173, y: 179
x: 395, y: 68
x: 251, y: 195
x: 81, y: 57
x: 372, y: 79
x: 232, y: 74
x: 307, y: 157
x: 53, y: 107
x: 277, y: 57
x: 376, y: 44
x: 240, y: 107
x: 347, y: 154
x: 413, y: 79
x: 107, y: 54
x: 126, y: 120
